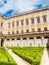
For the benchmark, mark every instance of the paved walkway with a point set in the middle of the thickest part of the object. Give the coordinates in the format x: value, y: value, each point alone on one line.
x: 45, y: 58
x: 18, y: 59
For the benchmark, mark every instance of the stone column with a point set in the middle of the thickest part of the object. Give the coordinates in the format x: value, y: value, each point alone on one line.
x: 4, y: 43
x: 21, y: 42
x: 19, y: 25
x: 41, y: 21
x: 10, y: 27
x: 42, y: 41
x: 48, y: 18
x: 15, y: 27
x: 24, y: 25
x: 35, y: 41
x: 27, y: 43
x: 30, y: 30
x: 35, y: 22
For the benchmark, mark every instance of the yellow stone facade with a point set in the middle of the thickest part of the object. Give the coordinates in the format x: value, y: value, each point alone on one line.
x: 31, y: 23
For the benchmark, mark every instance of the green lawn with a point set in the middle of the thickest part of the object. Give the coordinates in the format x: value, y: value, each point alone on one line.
x: 5, y: 58
x: 31, y: 54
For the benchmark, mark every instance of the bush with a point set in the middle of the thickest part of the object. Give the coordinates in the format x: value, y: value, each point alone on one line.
x: 31, y: 54
x: 5, y: 58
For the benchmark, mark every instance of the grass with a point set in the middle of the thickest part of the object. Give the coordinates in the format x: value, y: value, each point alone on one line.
x: 31, y: 54
x: 5, y: 57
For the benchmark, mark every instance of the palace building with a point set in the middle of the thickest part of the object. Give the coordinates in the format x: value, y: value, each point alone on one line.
x: 26, y: 29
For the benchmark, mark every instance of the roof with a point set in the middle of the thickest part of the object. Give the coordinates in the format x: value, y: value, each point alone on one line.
x: 28, y: 12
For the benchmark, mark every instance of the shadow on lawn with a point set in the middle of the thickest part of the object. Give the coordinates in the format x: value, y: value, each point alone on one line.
x: 6, y: 63
x: 48, y: 47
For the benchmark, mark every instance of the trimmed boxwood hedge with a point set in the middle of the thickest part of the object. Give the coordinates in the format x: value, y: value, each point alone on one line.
x: 5, y: 57
x: 31, y: 54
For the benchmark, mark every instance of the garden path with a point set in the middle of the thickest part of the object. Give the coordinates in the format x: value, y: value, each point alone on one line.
x: 45, y: 57
x: 18, y: 59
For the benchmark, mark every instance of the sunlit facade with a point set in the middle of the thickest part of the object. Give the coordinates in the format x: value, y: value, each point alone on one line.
x: 27, y: 29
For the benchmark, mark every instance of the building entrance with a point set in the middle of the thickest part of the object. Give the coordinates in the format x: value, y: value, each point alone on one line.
x: 2, y: 41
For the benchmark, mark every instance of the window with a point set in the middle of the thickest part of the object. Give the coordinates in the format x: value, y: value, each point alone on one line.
x: 1, y: 24
x: 22, y: 31
x: 17, y: 23
x: 8, y: 32
x: 44, y: 18
x: 38, y: 37
x: 27, y: 31
x: 27, y: 22
x: 12, y: 32
x: 17, y: 32
x: 32, y: 21
x: 45, y: 29
x: 31, y: 38
x: 12, y: 24
x: 13, y: 39
x: 39, y: 29
x: 32, y: 30
x: 46, y: 37
x: 38, y: 19
x: 7, y: 39
x: 9, y: 25
x: 22, y: 22
x: 24, y: 38
x: 0, y: 32
x: 18, y: 38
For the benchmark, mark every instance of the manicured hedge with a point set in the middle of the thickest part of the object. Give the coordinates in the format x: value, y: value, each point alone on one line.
x: 5, y: 58
x: 31, y: 54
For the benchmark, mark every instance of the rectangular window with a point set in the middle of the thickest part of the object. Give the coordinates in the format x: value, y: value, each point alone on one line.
x: 27, y: 22
x: 9, y: 25
x: 1, y: 24
x: 12, y: 32
x: 27, y: 31
x: 32, y: 30
x: 45, y: 29
x: 22, y: 31
x: 17, y: 32
x: 8, y: 32
x: 44, y: 18
x: 0, y: 32
x: 39, y: 29
x: 12, y: 24
x: 22, y: 22
x: 17, y: 23
x: 32, y: 20
x: 38, y: 19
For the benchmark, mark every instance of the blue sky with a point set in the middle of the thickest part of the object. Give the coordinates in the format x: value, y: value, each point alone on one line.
x: 11, y: 7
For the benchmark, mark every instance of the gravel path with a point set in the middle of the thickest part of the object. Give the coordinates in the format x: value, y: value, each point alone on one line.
x: 45, y: 58
x: 18, y: 59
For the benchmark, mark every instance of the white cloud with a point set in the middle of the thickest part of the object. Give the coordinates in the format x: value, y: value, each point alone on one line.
x: 19, y: 5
